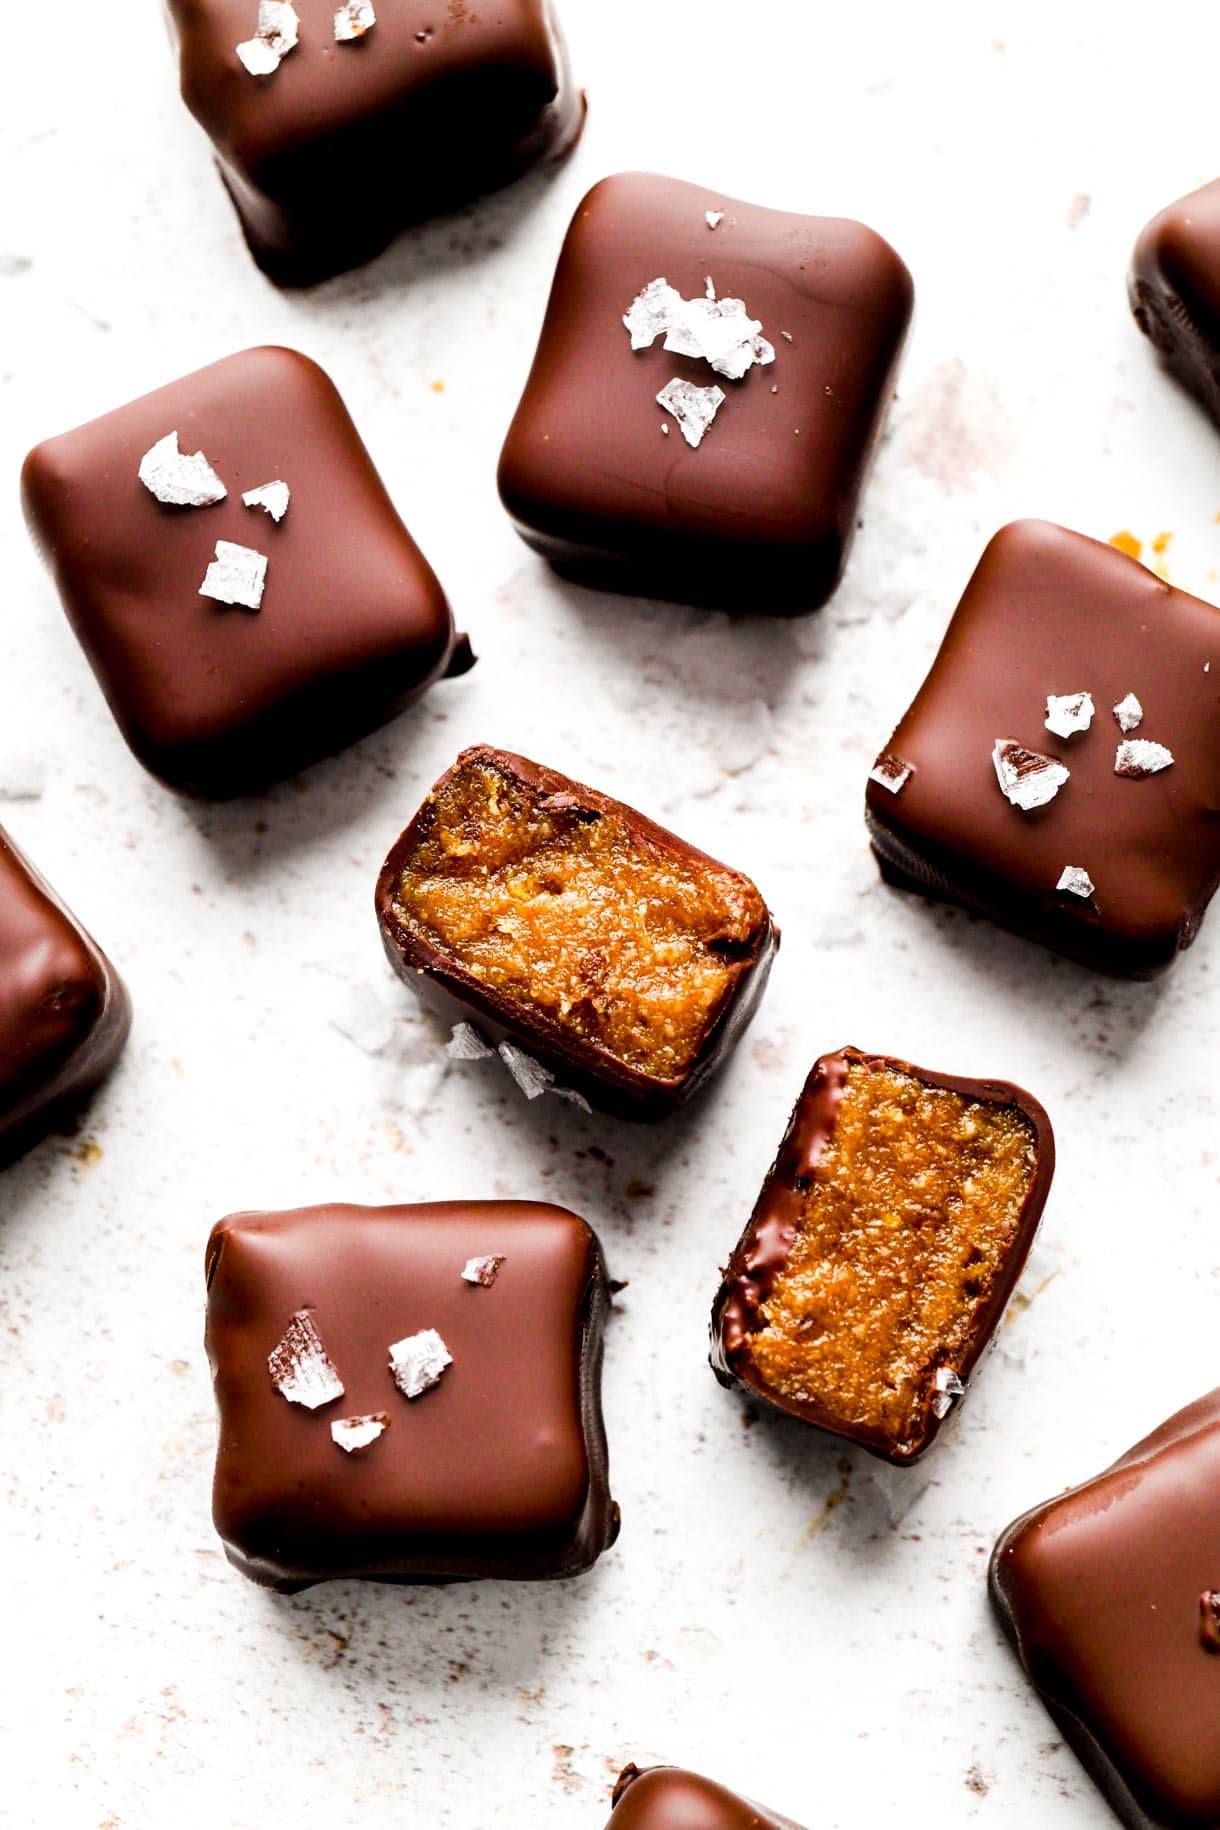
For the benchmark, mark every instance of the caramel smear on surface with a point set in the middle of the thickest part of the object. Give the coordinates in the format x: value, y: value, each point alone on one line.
x: 905, y: 1227
x: 569, y: 912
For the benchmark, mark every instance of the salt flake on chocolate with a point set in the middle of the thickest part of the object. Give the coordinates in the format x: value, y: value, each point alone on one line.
x: 301, y: 1369
x: 1129, y: 712
x: 1067, y: 713
x: 948, y: 1390
x: 693, y: 408
x: 1074, y: 880
x: 482, y: 1270
x: 273, y: 497
x: 718, y: 331
x: 1026, y: 778
x: 466, y: 1044
x: 713, y: 218
x: 352, y: 1433
x: 182, y: 479
x: 237, y: 575
x: 891, y: 772
x: 651, y: 313
x: 530, y: 1075
x: 1138, y: 757
x: 353, y: 19
x: 417, y: 1362
x: 277, y: 33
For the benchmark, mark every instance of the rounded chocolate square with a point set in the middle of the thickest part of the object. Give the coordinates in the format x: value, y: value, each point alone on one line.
x: 600, y: 480
x: 1174, y: 289
x: 331, y: 154
x: 1110, y: 1594
x: 497, y: 1469
x: 1052, y: 613
x: 669, y: 1798
x: 217, y: 698
x: 64, y: 1011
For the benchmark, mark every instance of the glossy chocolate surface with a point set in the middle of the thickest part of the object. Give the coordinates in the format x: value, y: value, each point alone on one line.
x: 762, y: 1250
x: 342, y: 146
x: 498, y: 1470
x: 213, y: 698
x: 1174, y: 288
x: 761, y: 515
x: 64, y: 1012
x: 669, y: 1798
x: 1052, y: 612
x: 444, y: 984
x: 1102, y: 1592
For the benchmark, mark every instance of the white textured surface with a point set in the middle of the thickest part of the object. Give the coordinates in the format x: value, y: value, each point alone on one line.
x: 761, y: 1618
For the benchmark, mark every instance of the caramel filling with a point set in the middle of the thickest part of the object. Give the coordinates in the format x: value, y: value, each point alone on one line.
x: 904, y: 1229
x: 571, y: 913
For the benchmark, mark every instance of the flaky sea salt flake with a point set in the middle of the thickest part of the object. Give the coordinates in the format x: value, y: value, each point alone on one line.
x: 1067, y: 713
x: 530, y: 1075
x: 651, y: 313
x: 1138, y: 757
x: 947, y: 1391
x: 277, y: 33
x: 236, y: 576
x: 483, y: 1270
x: 273, y: 497
x: 352, y: 1433
x: 693, y: 408
x: 1074, y: 880
x: 301, y: 1369
x: 417, y: 1362
x: 1027, y: 778
x: 1129, y: 713
x: 891, y: 772
x: 713, y: 218
x: 466, y: 1044
x: 353, y: 19
x: 183, y: 479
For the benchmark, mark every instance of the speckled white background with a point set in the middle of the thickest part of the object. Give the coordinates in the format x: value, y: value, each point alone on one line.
x: 761, y: 1618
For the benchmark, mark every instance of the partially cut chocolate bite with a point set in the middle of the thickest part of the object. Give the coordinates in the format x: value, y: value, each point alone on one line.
x: 64, y: 1011
x: 622, y: 958
x: 669, y: 1798
x: 381, y: 1418
x: 1174, y: 288
x: 1099, y: 838
x: 1108, y: 1594
x: 708, y: 389
x: 883, y: 1249
x: 331, y: 146
x: 236, y: 573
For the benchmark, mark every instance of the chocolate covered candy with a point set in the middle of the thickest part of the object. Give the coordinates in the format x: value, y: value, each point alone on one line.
x: 1059, y: 769
x: 708, y: 388
x: 1174, y: 288
x: 236, y: 573
x: 64, y: 1012
x: 559, y: 920
x: 336, y: 125
x: 883, y: 1249
x: 667, y: 1798
x: 1111, y: 1596
x: 383, y: 1414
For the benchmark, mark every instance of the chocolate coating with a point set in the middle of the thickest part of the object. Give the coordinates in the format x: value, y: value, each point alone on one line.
x: 1100, y: 1591
x: 761, y: 515
x: 1052, y: 612
x: 668, y: 1798
x: 447, y: 987
x: 64, y: 1011
x: 344, y: 145
x: 499, y: 1470
x: 762, y: 1250
x: 214, y: 699
x: 1174, y: 288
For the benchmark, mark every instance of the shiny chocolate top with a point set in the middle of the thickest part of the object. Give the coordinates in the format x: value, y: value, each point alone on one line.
x: 214, y: 697
x: 668, y: 1798
x: 499, y: 1469
x: 1052, y: 613
x: 1105, y: 1593
x: 761, y: 513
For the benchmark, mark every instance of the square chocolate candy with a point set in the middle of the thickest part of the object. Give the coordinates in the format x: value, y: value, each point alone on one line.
x: 561, y: 922
x: 409, y: 1394
x: 883, y: 1249
x: 1059, y: 769
x: 1110, y: 1594
x: 236, y: 573
x: 1174, y: 288
x: 668, y: 1798
x: 64, y: 1012
x: 338, y: 122
x: 709, y: 385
